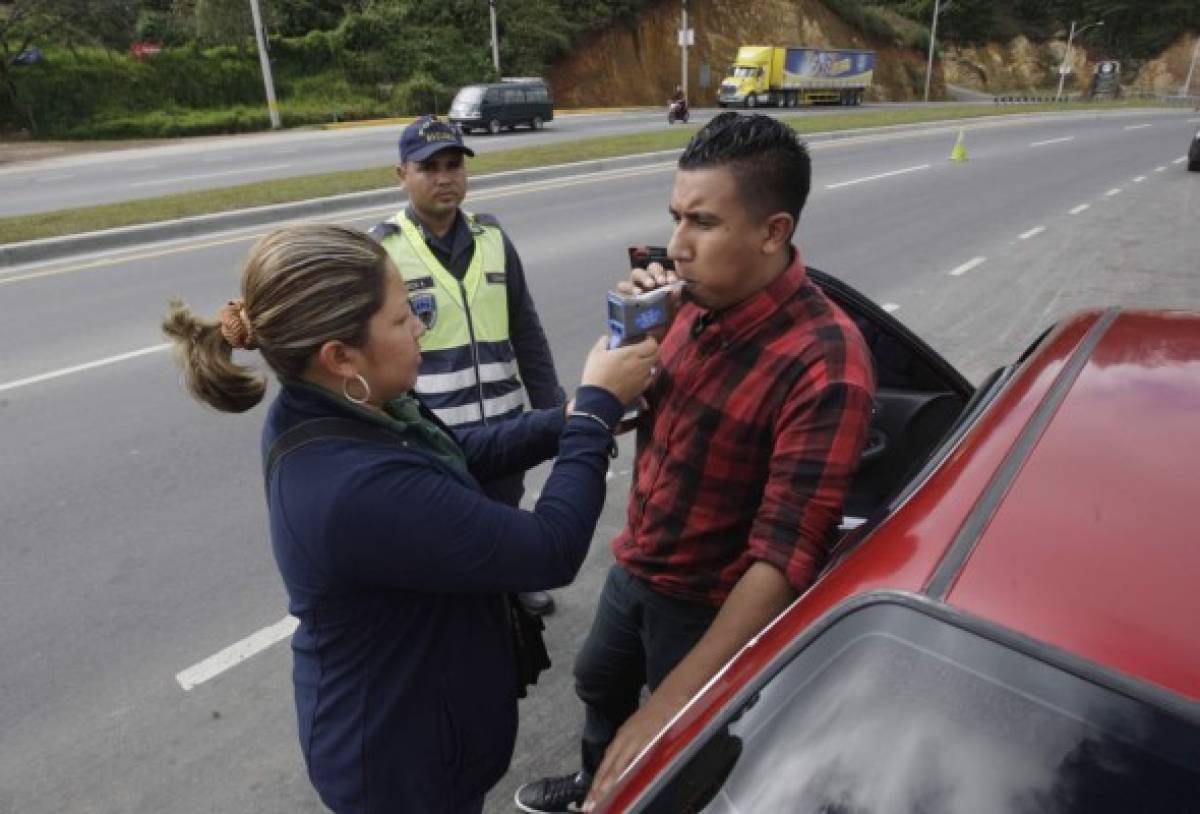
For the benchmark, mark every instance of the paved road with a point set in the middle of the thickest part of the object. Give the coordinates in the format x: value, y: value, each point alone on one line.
x: 133, y: 544
x: 206, y: 163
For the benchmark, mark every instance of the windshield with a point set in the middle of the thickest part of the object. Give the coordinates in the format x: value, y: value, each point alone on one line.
x: 469, y: 96
x: 743, y: 71
x: 896, y: 712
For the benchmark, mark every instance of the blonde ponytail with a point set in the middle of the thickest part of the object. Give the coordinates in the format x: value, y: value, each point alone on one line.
x: 209, y: 372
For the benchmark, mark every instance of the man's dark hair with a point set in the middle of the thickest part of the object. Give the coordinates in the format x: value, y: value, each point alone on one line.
x: 767, y: 158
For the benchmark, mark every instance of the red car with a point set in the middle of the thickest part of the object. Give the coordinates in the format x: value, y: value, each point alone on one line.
x: 1013, y: 625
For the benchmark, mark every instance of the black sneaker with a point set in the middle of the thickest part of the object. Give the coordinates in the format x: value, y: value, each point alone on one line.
x: 553, y: 795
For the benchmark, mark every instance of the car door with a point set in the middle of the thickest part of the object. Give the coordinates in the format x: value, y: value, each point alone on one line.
x: 918, y: 400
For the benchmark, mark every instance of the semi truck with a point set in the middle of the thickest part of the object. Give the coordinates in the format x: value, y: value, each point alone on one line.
x: 790, y: 76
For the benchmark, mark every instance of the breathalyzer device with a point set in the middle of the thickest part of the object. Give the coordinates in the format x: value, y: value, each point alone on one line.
x: 631, y: 317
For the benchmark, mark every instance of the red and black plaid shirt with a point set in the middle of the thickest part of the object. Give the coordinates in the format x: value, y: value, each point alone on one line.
x: 754, y: 430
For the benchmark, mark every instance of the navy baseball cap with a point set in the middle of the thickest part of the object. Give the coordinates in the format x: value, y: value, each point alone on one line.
x: 429, y: 135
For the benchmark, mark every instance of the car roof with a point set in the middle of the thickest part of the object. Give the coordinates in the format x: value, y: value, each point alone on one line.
x: 1095, y: 545
x: 1066, y: 512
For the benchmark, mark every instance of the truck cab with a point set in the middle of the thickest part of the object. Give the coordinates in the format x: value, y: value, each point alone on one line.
x: 748, y: 81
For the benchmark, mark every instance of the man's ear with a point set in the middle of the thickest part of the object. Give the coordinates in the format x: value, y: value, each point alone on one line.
x: 780, y: 227
x: 336, y: 358
x: 400, y: 172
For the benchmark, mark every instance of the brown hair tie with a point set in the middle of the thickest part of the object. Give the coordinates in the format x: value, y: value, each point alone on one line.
x: 235, y: 325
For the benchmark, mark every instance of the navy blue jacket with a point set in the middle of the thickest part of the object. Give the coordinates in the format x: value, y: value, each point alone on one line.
x: 396, y: 564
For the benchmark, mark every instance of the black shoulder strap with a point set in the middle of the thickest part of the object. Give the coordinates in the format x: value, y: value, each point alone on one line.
x: 382, y: 231
x: 317, y: 429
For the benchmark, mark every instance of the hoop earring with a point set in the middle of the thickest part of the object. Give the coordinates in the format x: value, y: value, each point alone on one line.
x: 366, y: 389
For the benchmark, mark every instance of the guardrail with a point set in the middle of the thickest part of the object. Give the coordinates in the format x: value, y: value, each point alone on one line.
x: 1048, y: 99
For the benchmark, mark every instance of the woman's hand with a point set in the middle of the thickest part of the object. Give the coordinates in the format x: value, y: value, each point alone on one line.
x: 625, y: 372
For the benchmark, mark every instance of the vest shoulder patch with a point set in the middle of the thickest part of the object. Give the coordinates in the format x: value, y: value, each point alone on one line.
x: 419, y: 283
x: 495, y: 277
x: 382, y: 231
x: 484, y: 219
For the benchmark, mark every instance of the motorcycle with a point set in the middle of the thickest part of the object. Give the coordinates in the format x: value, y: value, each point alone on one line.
x: 677, y: 111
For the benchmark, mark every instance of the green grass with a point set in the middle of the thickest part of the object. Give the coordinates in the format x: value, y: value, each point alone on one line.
x: 146, y: 210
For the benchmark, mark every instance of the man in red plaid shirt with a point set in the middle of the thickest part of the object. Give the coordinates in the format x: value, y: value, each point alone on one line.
x: 751, y: 436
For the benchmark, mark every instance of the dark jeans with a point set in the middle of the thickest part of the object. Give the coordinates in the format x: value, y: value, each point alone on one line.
x: 637, y: 638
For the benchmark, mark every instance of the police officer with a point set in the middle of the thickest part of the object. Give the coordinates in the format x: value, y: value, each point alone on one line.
x: 466, y: 282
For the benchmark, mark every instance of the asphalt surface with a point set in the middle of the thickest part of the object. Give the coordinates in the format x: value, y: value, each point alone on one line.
x: 134, y: 538
x: 221, y: 161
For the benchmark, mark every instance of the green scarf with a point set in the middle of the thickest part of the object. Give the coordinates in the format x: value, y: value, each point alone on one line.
x: 402, y: 415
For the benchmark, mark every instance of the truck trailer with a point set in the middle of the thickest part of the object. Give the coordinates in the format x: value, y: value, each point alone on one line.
x: 790, y: 76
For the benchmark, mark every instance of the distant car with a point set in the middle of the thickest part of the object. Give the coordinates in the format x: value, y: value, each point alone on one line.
x: 1010, y: 621
x: 1194, y: 153
x: 503, y: 105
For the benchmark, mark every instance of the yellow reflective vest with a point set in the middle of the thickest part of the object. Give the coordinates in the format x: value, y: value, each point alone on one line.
x: 468, y: 365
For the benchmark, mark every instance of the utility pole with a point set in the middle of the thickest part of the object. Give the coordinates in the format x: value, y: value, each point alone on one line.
x: 1187, y: 83
x: 683, y: 44
x: 937, y: 7
x: 495, y: 42
x: 1064, y: 68
x: 265, y: 61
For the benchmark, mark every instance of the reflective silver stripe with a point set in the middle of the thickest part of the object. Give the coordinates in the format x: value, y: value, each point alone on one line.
x: 435, y: 383
x: 469, y: 413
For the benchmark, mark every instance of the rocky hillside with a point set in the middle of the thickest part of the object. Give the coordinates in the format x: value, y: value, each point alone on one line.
x: 1022, y: 65
x: 640, y: 65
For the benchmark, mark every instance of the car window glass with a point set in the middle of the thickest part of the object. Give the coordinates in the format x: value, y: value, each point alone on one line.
x: 896, y: 715
x: 513, y: 96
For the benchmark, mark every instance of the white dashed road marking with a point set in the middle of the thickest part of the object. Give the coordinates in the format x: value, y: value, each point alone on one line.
x: 890, y: 307
x: 1081, y: 208
x: 1137, y: 126
x: 1180, y: 160
x: 1139, y: 179
x: 1034, y: 232
x: 161, y: 181
x: 967, y: 266
x: 877, y: 177
x: 67, y: 371
x: 1112, y: 192
x: 1051, y: 141
x: 1160, y: 169
x: 236, y: 653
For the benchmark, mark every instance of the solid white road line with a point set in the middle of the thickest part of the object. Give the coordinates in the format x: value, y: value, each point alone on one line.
x: 67, y: 371
x: 890, y: 307
x: 1137, y: 126
x: 1112, y: 192
x: 161, y: 181
x: 967, y: 266
x: 1081, y: 208
x: 1034, y: 232
x: 236, y: 653
x: 52, y: 178
x: 1139, y: 179
x: 1051, y: 141
x: 877, y: 177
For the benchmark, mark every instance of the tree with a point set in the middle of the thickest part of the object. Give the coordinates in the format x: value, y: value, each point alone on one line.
x: 224, y: 22
x: 32, y: 22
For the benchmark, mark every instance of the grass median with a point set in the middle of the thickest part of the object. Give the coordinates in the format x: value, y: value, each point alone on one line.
x: 285, y: 190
